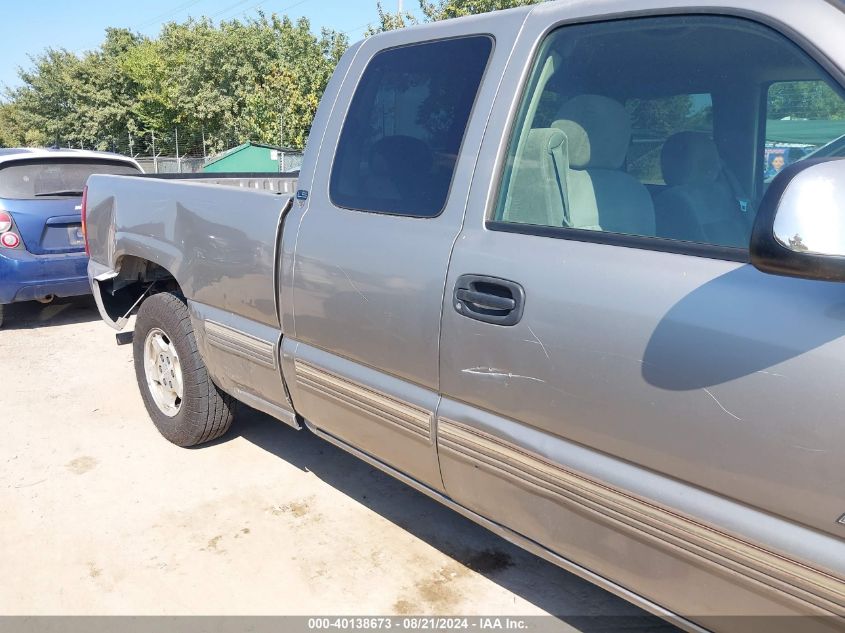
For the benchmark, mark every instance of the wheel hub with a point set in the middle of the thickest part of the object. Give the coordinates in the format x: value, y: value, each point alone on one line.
x: 163, y: 372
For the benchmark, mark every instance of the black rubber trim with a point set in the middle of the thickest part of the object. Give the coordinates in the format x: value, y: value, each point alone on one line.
x: 770, y: 256
x: 659, y: 244
x: 277, y: 257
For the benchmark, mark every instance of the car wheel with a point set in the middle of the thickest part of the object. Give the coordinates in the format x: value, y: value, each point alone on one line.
x: 183, y: 402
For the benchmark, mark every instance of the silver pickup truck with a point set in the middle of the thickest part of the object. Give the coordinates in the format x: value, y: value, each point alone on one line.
x: 569, y: 269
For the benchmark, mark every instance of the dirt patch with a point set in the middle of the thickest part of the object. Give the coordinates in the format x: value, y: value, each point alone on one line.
x: 298, y: 508
x: 438, y: 591
x: 442, y: 591
x: 81, y: 465
x: 211, y: 546
x: 404, y: 607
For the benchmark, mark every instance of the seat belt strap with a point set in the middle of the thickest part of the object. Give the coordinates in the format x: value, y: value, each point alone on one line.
x: 743, y: 201
x: 560, y: 159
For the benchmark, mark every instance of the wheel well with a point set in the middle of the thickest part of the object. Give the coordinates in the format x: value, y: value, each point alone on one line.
x: 136, y: 280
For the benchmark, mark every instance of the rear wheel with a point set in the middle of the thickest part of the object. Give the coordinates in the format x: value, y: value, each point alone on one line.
x: 183, y: 402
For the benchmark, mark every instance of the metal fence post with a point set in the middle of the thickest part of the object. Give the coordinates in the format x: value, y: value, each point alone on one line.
x: 178, y: 160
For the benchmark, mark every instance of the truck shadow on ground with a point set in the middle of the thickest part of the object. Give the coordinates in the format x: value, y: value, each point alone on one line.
x: 555, y: 591
x: 29, y: 315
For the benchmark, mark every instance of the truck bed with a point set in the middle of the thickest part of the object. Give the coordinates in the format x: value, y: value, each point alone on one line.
x: 218, y: 242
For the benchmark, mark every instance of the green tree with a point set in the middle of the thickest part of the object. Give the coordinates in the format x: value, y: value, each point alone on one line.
x: 13, y: 131
x: 78, y: 99
x: 45, y: 100
x: 238, y: 81
x: 813, y: 100
x: 660, y: 117
x: 228, y: 83
x: 388, y: 21
x: 434, y: 11
x: 445, y: 9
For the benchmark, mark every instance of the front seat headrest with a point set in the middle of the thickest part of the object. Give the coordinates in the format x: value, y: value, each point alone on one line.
x: 689, y: 158
x: 598, y: 130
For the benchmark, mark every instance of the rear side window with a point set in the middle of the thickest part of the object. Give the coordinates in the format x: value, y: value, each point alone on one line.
x: 54, y: 178
x: 403, y: 132
x: 655, y: 120
x: 803, y: 119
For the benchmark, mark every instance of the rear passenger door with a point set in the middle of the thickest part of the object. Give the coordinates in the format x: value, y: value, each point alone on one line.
x: 608, y: 390
x: 384, y: 206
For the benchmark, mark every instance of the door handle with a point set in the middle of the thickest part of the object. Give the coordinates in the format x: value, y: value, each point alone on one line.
x: 484, y: 300
x: 489, y: 299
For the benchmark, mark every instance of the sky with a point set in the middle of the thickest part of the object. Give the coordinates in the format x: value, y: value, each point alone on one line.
x: 30, y: 26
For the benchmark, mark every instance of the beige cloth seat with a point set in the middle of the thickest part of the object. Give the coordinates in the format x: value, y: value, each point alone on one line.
x: 601, y: 195
x: 536, y: 194
x: 698, y: 205
x: 570, y: 174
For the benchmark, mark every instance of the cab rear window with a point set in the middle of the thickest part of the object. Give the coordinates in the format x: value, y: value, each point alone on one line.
x: 33, y: 179
x: 403, y: 132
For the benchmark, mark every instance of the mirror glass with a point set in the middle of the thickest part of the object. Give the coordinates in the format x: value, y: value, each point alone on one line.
x: 811, y: 214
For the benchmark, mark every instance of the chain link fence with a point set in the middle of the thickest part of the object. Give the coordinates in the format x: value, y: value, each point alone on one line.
x: 177, y: 151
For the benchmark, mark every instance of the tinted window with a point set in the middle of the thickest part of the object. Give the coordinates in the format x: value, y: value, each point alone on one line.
x: 403, y: 131
x: 650, y: 127
x: 54, y: 178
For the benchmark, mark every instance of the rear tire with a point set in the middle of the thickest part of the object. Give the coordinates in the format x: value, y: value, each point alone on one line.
x: 180, y: 397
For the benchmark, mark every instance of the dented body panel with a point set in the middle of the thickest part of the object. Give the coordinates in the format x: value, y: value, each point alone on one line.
x: 219, y: 244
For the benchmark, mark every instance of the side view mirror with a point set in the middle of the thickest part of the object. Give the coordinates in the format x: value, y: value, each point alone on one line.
x: 800, y: 226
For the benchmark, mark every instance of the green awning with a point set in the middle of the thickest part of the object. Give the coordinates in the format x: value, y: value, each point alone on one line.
x: 803, y: 132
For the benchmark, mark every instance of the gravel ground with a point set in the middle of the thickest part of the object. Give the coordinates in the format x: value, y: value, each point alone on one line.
x: 100, y: 515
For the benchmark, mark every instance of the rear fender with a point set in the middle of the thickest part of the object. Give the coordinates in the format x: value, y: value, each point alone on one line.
x: 118, y: 292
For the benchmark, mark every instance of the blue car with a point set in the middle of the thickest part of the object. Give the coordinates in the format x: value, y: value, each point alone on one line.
x: 42, y: 249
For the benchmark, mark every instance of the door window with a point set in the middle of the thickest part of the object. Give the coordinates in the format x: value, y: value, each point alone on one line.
x: 648, y: 128
x: 403, y: 132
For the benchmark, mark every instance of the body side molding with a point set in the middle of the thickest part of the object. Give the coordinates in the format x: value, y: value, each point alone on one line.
x: 822, y: 591
x: 514, y: 537
x: 382, y: 407
x: 241, y: 344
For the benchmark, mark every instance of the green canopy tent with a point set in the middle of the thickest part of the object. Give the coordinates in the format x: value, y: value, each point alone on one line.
x: 803, y: 132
